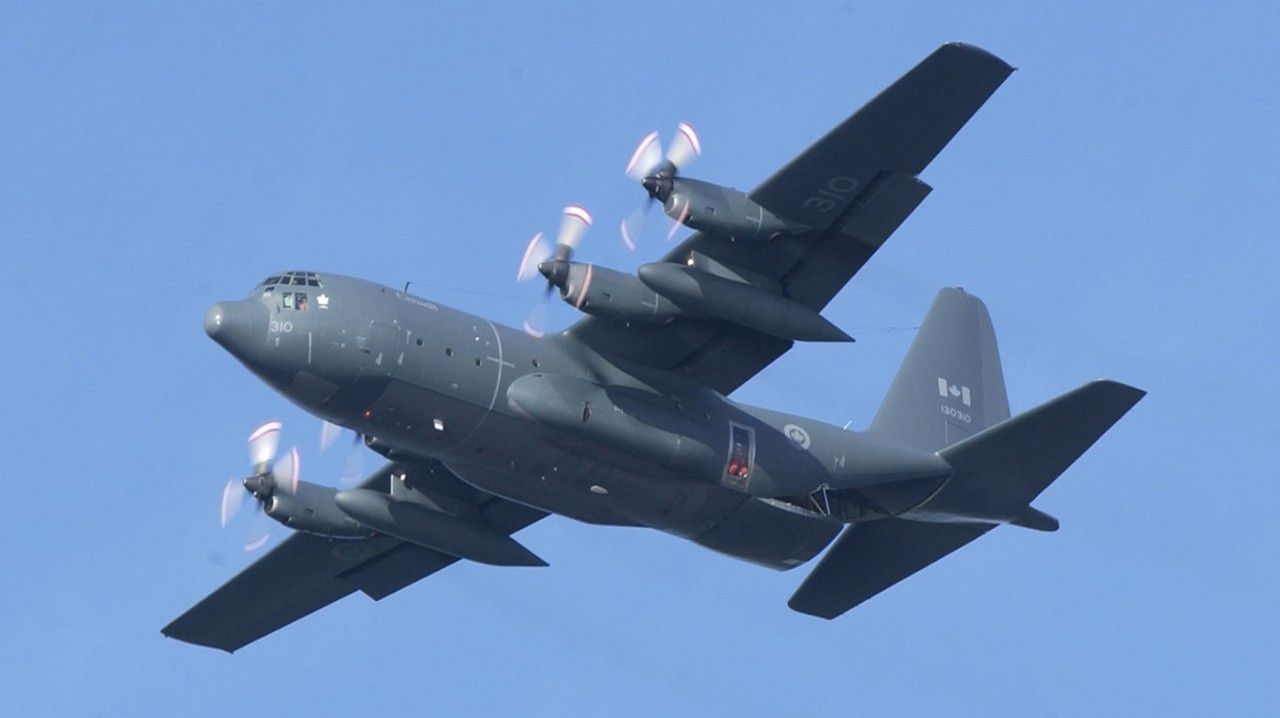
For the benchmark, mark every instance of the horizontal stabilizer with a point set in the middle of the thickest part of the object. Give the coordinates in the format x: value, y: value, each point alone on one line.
x: 870, y: 557
x: 998, y: 472
x: 1035, y: 519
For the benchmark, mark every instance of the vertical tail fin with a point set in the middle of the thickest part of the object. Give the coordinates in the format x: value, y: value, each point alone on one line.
x: 950, y: 385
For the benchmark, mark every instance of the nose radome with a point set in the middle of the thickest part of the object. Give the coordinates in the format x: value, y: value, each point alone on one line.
x: 213, y: 320
x: 237, y: 326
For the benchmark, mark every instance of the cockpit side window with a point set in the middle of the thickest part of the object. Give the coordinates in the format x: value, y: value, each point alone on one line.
x: 294, y: 300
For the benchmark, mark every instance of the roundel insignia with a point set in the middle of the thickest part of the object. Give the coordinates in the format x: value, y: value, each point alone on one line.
x: 797, y: 435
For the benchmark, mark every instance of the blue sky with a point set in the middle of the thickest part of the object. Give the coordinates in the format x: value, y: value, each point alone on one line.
x: 1114, y: 204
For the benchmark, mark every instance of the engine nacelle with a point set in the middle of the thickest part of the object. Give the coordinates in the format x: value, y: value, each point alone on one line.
x: 725, y: 211
x: 313, y: 510
x: 614, y: 295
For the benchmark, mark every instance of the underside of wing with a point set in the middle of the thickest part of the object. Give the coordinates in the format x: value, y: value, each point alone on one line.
x: 306, y: 572
x: 852, y: 189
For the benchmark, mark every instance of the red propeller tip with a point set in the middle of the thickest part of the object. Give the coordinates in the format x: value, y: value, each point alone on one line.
x: 691, y: 137
x: 639, y: 154
x: 578, y: 212
x: 263, y: 430
x: 626, y: 237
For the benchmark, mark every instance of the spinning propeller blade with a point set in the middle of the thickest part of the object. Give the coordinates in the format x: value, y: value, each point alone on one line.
x: 329, y: 433
x: 536, y: 253
x: 263, y: 443
x: 646, y: 158
x: 685, y: 147
x: 633, y: 225
x: 259, y: 532
x: 232, y: 500
x: 269, y: 475
x: 535, y: 324
x: 657, y: 175
x: 353, y: 472
x: 574, y: 224
x: 284, y: 475
x: 552, y: 264
x: 353, y: 468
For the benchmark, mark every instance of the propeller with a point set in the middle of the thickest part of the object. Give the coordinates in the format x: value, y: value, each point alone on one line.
x: 353, y: 470
x: 269, y: 476
x: 329, y: 433
x: 552, y: 262
x: 656, y: 174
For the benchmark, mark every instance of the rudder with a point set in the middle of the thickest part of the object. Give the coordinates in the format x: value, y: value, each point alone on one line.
x: 950, y: 385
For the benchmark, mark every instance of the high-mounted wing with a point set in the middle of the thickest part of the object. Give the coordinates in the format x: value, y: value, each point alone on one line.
x: 306, y: 573
x: 853, y: 188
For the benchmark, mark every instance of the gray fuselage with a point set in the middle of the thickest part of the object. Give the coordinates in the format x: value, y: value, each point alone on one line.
x: 551, y: 424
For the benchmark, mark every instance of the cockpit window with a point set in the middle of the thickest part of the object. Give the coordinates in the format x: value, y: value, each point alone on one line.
x: 293, y: 279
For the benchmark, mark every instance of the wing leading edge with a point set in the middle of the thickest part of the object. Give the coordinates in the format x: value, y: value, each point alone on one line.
x: 306, y: 573
x: 854, y: 187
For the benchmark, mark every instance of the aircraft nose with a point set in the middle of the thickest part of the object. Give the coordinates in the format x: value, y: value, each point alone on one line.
x: 237, y: 326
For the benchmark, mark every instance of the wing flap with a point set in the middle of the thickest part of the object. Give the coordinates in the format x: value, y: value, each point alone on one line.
x: 835, y: 257
x: 397, y: 568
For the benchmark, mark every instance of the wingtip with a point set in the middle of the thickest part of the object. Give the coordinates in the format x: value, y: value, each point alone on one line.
x: 978, y: 52
x: 808, y: 610
x: 1131, y: 393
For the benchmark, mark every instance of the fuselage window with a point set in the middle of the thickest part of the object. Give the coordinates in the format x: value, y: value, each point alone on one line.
x: 294, y: 300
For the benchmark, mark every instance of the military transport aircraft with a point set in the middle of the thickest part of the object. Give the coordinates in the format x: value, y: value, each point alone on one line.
x: 623, y: 419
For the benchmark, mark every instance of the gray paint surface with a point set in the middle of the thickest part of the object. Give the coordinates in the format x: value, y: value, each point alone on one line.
x: 627, y: 423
